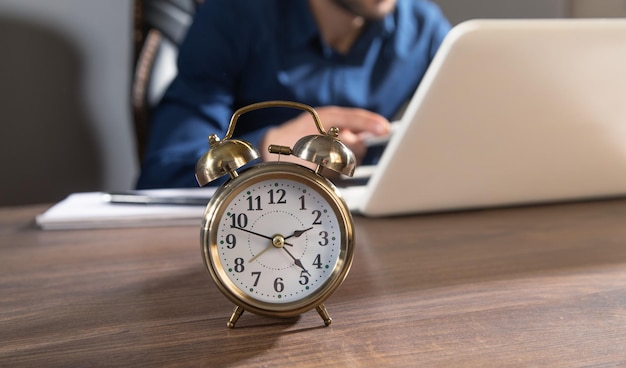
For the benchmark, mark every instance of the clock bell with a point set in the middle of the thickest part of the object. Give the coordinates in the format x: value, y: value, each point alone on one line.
x: 227, y: 155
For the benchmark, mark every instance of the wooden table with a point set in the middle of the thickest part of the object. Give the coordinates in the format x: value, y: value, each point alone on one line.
x: 536, y: 286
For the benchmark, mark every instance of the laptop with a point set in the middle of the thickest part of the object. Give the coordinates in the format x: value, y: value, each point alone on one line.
x: 510, y: 112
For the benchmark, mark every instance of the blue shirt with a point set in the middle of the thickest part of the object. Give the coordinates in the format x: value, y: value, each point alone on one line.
x: 246, y: 51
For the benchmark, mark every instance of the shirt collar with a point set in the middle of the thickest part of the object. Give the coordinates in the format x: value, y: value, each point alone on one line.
x: 404, y: 27
x: 302, y: 28
x: 387, y: 25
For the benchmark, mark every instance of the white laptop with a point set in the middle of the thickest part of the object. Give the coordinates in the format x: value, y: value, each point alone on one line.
x: 510, y: 112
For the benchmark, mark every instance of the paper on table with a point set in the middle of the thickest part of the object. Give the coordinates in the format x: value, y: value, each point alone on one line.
x: 92, y: 210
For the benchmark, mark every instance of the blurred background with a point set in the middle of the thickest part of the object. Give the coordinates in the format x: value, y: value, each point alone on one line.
x: 66, y: 123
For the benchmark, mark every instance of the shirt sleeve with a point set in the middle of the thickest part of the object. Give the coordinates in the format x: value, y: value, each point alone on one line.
x: 437, y: 24
x: 200, y: 100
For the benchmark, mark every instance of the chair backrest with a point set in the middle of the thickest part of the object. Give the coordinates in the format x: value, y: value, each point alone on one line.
x: 160, y: 27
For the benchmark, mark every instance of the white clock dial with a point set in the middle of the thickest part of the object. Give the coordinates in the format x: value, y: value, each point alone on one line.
x: 278, y: 240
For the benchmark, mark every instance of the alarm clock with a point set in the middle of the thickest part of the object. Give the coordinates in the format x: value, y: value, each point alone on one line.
x: 277, y: 237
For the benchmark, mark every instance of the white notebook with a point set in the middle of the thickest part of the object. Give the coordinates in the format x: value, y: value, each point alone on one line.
x: 92, y: 210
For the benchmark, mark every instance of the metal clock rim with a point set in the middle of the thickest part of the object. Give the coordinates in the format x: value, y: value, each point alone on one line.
x: 258, y: 173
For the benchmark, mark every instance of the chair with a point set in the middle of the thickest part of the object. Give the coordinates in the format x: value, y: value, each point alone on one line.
x: 159, y: 28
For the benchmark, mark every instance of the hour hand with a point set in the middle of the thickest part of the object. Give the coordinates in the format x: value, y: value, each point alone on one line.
x: 298, y: 233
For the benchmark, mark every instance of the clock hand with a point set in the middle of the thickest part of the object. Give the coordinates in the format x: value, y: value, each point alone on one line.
x: 278, y: 241
x: 252, y: 232
x: 257, y: 234
x: 298, y: 233
x: 261, y: 252
x: 297, y: 262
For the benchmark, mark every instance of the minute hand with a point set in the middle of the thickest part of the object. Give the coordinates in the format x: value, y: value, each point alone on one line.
x: 257, y: 234
x: 252, y: 232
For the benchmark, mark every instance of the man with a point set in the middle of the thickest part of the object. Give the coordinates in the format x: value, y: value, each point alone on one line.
x: 356, y: 61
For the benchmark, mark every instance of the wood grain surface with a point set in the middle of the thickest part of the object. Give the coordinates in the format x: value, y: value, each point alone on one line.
x: 537, y: 286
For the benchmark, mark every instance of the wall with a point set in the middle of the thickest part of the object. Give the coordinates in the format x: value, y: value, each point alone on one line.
x: 65, y: 121
x: 64, y: 87
x: 460, y: 10
x: 598, y: 8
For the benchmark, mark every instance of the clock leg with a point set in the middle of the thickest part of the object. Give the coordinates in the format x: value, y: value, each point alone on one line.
x: 234, y: 317
x: 321, y: 309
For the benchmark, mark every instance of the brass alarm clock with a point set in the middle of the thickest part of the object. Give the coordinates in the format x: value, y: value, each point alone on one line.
x: 277, y: 238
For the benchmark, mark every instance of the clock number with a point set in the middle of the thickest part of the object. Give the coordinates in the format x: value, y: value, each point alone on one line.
x: 281, y: 196
x: 302, y: 205
x: 239, y: 265
x: 240, y: 220
x: 324, y: 241
x: 278, y: 285
x: 318, y: 216
x: 256, y: 276
x: 252, y: 201
x: 231, y: 240
x: 318, y: 261
x: 304, y: 278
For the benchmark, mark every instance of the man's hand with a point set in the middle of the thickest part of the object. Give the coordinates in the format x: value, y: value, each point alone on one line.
x: 355, y: 125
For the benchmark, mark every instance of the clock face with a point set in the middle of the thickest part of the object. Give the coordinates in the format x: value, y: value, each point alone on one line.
x: 279, y: 240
